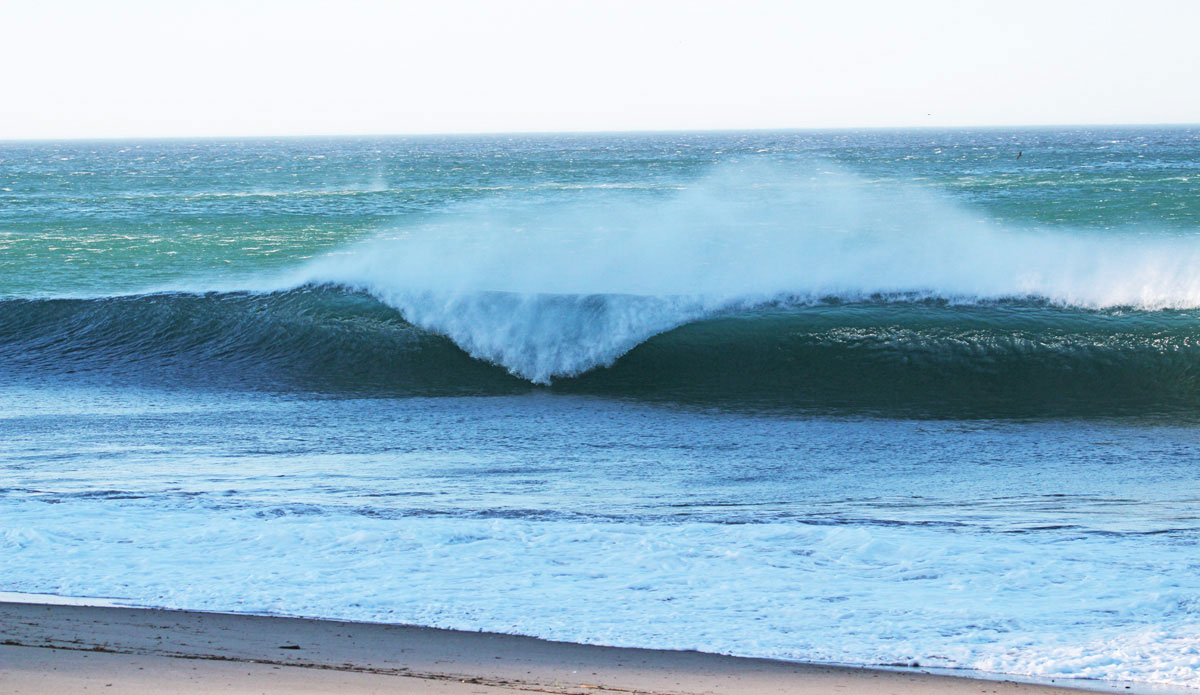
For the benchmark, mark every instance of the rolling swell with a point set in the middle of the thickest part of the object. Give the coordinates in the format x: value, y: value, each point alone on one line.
x: 924, y: 359
x: 308, y: 339
x: 888, y: 357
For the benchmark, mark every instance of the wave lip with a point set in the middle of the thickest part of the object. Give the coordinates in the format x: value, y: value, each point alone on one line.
x: 542, y: 337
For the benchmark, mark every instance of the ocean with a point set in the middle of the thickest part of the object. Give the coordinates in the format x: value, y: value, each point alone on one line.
x: 880, y: 397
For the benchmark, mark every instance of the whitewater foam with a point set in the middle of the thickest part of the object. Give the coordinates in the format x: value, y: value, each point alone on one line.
x: 550, y: 290
x: 1007, y: 606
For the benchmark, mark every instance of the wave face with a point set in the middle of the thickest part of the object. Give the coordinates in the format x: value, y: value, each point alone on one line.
x: 919, y: 357
x: 318, y: 339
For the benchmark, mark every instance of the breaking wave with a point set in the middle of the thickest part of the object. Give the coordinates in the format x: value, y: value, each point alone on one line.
x: 804, y: 288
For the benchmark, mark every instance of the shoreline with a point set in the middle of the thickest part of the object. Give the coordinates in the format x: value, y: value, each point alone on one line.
x: 47, y: 648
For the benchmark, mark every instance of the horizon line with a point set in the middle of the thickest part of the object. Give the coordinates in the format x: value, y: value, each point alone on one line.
x: 629, y: 131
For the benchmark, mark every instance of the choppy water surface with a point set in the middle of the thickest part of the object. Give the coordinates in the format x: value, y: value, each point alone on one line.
x: 861, y: 397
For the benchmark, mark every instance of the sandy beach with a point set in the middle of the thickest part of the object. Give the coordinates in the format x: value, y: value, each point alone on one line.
x: 64, y: 648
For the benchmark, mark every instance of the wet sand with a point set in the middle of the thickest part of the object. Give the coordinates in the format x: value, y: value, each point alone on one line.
x: 63, y: 648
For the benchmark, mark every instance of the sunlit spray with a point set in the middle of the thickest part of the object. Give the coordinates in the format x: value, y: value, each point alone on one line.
x: 552, y: 290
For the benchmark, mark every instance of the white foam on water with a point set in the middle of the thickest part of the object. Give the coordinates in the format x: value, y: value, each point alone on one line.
x: 863, y: 594
x: 57, y: 600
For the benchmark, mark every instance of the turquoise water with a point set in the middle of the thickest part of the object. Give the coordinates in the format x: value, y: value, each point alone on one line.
x: 104, y: 217
x: 867, y: 397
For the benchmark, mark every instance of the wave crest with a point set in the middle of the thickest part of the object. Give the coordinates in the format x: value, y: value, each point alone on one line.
x: 556, y: 290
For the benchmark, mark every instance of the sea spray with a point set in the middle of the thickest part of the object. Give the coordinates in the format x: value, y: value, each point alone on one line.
x: 557, y: 289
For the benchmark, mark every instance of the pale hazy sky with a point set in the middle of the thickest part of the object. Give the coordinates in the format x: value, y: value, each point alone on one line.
x: 125, y: 68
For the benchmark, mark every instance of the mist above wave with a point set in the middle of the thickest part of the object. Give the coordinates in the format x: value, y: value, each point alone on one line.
x: 550, y: 289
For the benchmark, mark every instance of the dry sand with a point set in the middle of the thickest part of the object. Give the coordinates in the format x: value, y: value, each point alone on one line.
x: 72, y: 649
